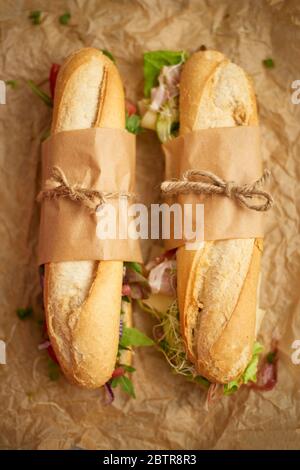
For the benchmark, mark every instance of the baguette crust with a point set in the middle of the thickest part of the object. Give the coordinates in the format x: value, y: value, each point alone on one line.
x: 83, y: 298
x: 217, y: 284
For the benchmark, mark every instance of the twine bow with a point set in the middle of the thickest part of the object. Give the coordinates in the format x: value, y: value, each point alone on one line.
x: 58, y: 186
x: 243, y: 194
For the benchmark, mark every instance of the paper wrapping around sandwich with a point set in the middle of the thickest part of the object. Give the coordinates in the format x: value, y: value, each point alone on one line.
x: 96, y: 158
x: 231, y: 153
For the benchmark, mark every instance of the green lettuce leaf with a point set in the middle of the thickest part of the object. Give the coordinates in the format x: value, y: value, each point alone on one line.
x: 153, y: 63
x: 134, y: 337
x: 249, y: 374
x: 231, y: 387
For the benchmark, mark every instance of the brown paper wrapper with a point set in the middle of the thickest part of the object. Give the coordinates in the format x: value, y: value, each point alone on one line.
x: 100, y: 159
x: 231, y: 153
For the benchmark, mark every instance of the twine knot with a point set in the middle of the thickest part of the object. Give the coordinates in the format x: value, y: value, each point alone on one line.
x: 206, y: 182
x: 229, y: 188
x: 58, y: 186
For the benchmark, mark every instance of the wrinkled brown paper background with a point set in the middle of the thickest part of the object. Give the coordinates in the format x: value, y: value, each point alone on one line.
x: 168, y: 412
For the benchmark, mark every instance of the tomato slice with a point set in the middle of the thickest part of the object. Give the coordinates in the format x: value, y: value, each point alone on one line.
x: 130, y: 107
x: 52, y: 78
x: 118, y: 372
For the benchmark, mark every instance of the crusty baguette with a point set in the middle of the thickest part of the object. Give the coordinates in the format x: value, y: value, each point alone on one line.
x: 83, y: 298
x: 217, y: 284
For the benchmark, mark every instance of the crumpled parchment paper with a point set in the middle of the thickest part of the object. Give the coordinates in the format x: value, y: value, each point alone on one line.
x: 168, y: 413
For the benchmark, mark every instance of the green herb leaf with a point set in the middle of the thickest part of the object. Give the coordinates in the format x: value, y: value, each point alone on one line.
x: 45, y: 134
x: 125, y: 384
x: 40, y: 93
x: 271, y: 357
x: 35, y: 17
x: 53, y: 370
x: 125, y: 298
x: 269, y: 63
x: 122, y: 348
x: 24, y: 313
x: 133, y: 124
x: 115, y: 382
x: 109, y: 55
x: 135, y: 266
x: 153, y: 63
x: 65, y: 18
x: 175, y: 128
x: 134, y: 337
x: 12, y: 83
x: 164, y: 345
x: 202, y: 381
x: 127, y: 368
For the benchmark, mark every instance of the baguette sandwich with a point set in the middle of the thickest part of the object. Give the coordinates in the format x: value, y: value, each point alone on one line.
x: 209, y: 327
x: 87, y: 313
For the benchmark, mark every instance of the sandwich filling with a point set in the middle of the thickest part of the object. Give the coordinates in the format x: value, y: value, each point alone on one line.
x: 135, y: 286
x: 167, y: 334
x: 160, y: 106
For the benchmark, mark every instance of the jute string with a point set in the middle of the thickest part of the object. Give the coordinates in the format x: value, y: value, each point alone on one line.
x: 58, y: 186
x: 209, y: 183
